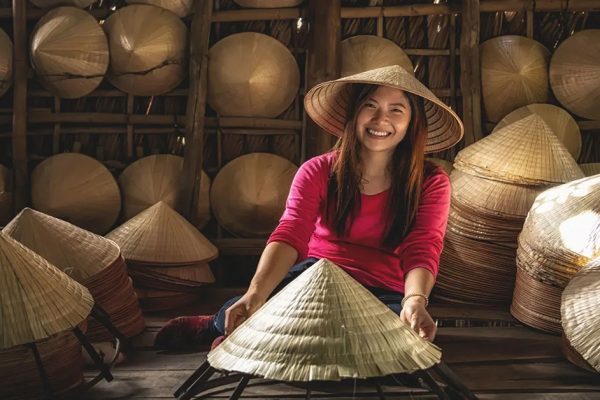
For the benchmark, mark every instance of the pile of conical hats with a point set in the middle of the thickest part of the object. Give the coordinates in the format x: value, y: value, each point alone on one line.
x: 91, y: 260
x: 560, y: 235
x: 494, y: 184
x: 167, y: 257
x: 39, y: 304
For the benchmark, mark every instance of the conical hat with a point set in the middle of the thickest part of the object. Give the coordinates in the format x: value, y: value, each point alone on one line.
x: 5, y: 195
x: 514, y: 73
x: 268, y: 3
x: 181, y: 8
x: 248, y: 194
x: 590, y: 169
x: 364, y: 52
x: 524, y: 152
x: 160, y: 235
x: 56, y: 3
x: 560, y: 121
x: 69, y: 52
x: 579, y: 311
x: 36, y: 299
x: 328, y: 102
x: 324, y: 326
x: 6, y: 62
x: 575, y: 73
x: 78, y: 189
x: 148, y: 47
x: 251, y: 75
x: 75, y: 251
x: 156, y: 178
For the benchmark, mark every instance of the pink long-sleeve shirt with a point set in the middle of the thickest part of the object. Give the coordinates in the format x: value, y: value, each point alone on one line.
x: 361, y: 252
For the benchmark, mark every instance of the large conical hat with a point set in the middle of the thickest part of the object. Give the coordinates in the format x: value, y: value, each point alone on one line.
x: 147, y: 49
x: 514, y: 73
x: 324, y: 326
x: 181, y: 8
x: 364, y: 52
x: 559, y: 120
x: 56, y: 3
x: 37, y: 300
x: 160, y: 235
x: 268, y: 3
x: 524, y: 152
x: 6, y: 62
x: 248, y: 194
x: 251, y: 75
x: 75, y: 251
x: 78, y: 189
x: 156, y: 178
x: 69, y: 52
x: 5, y: 195
x: 590, y: 168
x: 579, y: 311
x: 575, y: 73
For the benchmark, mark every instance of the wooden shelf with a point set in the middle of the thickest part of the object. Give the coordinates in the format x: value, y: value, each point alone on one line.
x: 240, y: 246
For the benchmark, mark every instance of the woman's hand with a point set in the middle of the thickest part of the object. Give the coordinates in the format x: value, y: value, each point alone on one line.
x: 415, y: 314
x: 241, y: 310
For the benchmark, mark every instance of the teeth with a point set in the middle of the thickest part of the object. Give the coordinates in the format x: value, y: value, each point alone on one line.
x: 377, y: 133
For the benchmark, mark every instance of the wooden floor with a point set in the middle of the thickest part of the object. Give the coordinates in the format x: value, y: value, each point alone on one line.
x: 507, y: 361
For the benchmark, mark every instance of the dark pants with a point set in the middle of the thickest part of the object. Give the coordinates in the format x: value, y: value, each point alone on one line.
x: 389, y: 298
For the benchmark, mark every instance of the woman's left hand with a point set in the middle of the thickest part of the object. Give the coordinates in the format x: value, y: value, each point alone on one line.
x: 414, y: 314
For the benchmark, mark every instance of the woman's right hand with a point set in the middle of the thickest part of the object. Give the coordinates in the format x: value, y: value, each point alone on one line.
x: 241, y: 310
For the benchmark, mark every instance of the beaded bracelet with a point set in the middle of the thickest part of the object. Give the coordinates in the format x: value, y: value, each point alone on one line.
x: 408, y: 296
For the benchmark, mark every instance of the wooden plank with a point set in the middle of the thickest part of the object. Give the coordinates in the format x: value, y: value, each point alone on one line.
x: 540, y: 5
x: 261, y: 14
x: 247, y: 123
x: 129, y: 128
x: 240, y: 246
x: 413, y: 10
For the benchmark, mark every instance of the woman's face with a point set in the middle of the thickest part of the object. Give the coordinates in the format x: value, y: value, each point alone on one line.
x: 382, y: 119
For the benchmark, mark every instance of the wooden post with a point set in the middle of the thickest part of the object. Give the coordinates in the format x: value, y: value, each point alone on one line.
x: 19, y: 119
x: 470, y: 81
x: 196, y: 104
x: 324, y: 62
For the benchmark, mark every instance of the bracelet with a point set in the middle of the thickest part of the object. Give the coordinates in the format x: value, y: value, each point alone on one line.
x: 408, y: 296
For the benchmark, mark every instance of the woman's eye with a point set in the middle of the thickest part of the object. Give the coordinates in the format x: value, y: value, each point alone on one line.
x: 369, y: 105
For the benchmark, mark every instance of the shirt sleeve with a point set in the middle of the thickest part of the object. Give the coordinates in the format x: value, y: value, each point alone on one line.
x: 423, y: 246
x: 303, y: 205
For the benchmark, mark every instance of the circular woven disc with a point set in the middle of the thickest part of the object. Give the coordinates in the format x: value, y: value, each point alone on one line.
x: 364, y: 52
x: 6, y: 62
x: 56, y: 3
x: 268, y: 3
x: 181, y: 8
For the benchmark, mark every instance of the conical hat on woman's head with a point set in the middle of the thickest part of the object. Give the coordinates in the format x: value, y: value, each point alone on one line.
x: 328, y: 104
x: 6, y: 62
x: 181, y: 8
x: 365, y: 52
x: 56, y: 3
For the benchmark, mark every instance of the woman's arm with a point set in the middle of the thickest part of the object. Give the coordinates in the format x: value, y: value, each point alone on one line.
x: 418, y: 283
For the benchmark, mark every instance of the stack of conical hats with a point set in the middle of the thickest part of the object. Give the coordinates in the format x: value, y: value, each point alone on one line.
x: 91, y: 260
x: 560, y: 235
x: 6, y: 62
x: 5, y: 195
x: 590, y: 169
x: 156, y: 178
x: 39, y: 304
x: 364, y: 52
x: 495, y: 183
x: 268, y: 3
x: 167, y: 257
x: 317, y: 328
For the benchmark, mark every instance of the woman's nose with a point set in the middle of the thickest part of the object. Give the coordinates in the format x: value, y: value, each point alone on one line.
x: 379, y: 115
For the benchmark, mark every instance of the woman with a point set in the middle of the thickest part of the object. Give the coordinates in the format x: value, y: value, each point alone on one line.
x: 373, y: 205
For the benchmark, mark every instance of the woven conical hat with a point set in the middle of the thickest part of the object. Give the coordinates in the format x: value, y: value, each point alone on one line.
x: 524, y: 152
x: 514, y: 73
x: 445, y: 164
x: 590, y: 169
x: 56, y: 3
x: 575, y: 73
x: 364, y: 52
x: 147, y: 49
x: 324, y: 326
x: 5, y: 195
x: 6, y: 62
x: 69, y: 52
x: 248, y: 194
x: 560, y: 121
x: 36, y: 299
x: 328, y: 103
x: 579, y: 311
x: 75, y: 251
x: 268, y: 3
x: 251, y: 75
x: 160, y: 235
x: 156, y: 178
x: 181, y: 8
x: 78, y: 189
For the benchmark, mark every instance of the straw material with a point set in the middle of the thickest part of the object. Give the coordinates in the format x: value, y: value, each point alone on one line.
x: 56, y: 3
x: 324, y: 326
x: 181, y: 8
x: 590, y: 169
x: 559, y: 120
x: 160, y: 235
x: 327, y: 104
x: 514, y: 73
x: 268, y: 3
x: 248, y: 194
x: 579, y: 311
x: 78, y: 189
x: 148, y: 47
x: 364, y: 52
x: 36, y: 299
x: 575, y: 73
x: 251, y: 75
x: 156, y: 178
x: 573, y: 356
x: 5, y: 195
x: 69, y: 52
x: 6, y: 62
x: 524, y: 152
x: 186, y: 278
